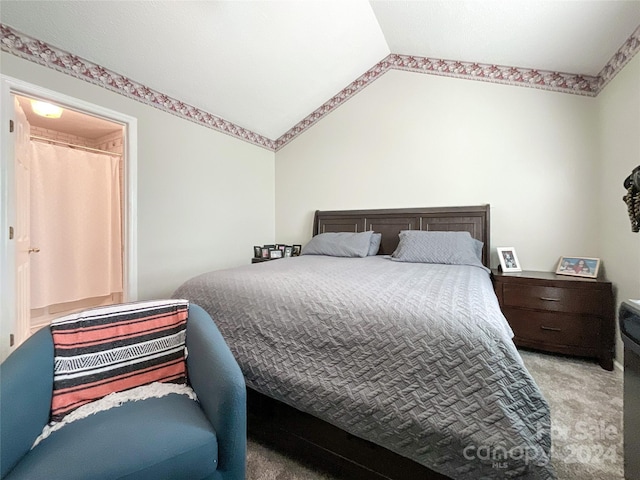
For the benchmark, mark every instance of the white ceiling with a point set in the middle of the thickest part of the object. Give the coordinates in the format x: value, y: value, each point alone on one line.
x: 561, y: 36
x: 265, y: 65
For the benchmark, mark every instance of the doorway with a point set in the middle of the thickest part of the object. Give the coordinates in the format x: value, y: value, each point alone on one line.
x: 74, y: 211
x: 86, y: 157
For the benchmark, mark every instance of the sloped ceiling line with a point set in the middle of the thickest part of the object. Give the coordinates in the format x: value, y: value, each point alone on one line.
x: 559, y: 82
x: 29, y: 48
x: 345, y: 94
x: 617, y: 62
x: 44, y: 54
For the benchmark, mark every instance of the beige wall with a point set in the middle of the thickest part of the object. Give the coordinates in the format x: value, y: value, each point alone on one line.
x: 412, y: 140
x: 619, y: 125
x: 204, y: 198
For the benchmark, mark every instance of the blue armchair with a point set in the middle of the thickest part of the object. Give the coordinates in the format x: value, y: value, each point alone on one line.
x: 171, y: 437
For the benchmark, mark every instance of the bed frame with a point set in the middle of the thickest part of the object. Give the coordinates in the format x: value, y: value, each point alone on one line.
x: 316, y: 442
x: 390, y: 222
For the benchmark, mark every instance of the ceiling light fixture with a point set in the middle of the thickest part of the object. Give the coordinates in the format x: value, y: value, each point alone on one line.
x: 45, y: 109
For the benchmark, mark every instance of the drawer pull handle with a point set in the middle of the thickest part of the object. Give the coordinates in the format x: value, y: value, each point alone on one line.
x: 551, y: 329
x: 550, y: 299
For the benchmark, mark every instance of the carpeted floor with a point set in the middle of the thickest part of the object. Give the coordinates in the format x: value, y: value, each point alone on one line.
x: 586, y: 418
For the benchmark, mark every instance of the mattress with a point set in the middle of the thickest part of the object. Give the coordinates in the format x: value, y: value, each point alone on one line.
x: 417, y: 358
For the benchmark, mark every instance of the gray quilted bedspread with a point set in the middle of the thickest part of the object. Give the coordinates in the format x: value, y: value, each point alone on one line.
x: 417, y: 358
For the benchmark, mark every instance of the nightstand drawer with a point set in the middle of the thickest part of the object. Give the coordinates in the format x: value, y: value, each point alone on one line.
x: 559, y: 313
x: 554, y: 328
x: 554, y: 299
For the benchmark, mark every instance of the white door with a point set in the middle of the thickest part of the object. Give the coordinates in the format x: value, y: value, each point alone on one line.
x: 23, y: 241
x: 14, y: 263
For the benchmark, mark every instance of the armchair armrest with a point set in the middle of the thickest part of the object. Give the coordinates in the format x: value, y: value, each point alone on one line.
x: 217, y: 380
x: 26, y: 384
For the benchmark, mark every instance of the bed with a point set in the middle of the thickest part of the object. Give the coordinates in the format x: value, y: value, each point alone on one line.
x: 381, y: 369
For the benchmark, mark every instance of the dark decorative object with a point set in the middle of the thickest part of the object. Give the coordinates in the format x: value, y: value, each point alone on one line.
x: 257, y: 251
x: 296, y: 250
x: 632, y: 198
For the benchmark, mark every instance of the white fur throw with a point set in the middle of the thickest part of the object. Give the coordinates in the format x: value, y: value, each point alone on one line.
x: 113, y: 400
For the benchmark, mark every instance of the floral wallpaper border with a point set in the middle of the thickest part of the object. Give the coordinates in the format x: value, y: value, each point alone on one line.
x: 32, y: 49
x: 42, y: 53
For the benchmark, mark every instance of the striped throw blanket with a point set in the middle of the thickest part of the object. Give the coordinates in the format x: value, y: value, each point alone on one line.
x: 116, y: 348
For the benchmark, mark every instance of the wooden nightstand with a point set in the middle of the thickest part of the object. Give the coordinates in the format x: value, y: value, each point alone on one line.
x: 558, y: 313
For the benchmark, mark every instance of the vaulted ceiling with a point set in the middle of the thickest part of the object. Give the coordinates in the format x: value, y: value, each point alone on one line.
x: 266, y: 65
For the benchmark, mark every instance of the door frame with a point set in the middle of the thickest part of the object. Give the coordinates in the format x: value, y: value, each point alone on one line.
x: 11, y: 86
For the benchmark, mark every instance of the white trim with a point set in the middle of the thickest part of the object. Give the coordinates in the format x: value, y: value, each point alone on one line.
x: 9, y: 86
x: 7, y: 218
x: 618, y: 365
x: 130, y: 190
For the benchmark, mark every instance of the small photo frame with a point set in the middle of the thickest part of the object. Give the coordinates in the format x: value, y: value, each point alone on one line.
x: 508, y: 259
x: 257, y: 251
x: 578, y: 266
x: 296, y: 249
x: 281, y: 247
x: 275, y: 253
x: 288, y: 251
x: 265, y: 252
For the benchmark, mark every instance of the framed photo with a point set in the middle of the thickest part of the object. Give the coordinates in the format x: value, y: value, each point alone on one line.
x: 281, y: 247
x: 508, y: 259
x: 257, y: 251
x: 296, y: 249
x: 265, y: 252
x: 288, y: 251
x: 275, y: 253
x: 578, y: 266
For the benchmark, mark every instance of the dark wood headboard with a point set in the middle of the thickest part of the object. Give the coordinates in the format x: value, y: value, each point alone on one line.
x: 389, y: 222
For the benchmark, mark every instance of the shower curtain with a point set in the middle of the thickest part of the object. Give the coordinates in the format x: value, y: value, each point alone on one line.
x: 76, y: 224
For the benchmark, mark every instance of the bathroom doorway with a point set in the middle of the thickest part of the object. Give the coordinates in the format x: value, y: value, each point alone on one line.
x: 74, y: 209
x: 71, y: 197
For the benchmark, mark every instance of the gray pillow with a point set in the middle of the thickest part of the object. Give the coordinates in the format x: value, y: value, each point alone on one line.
x: 339, y: 244
x: 374, y: 246
x: 450, y: 248
x: 478, y: 247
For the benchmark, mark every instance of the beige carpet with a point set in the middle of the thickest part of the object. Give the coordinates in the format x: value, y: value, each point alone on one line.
x: 586, y: 418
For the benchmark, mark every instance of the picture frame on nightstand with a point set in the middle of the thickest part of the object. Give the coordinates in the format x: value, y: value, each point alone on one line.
x: 257, y: 251
x: 578, y: 267
x: 275, y: 253
x: 508, y: 259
